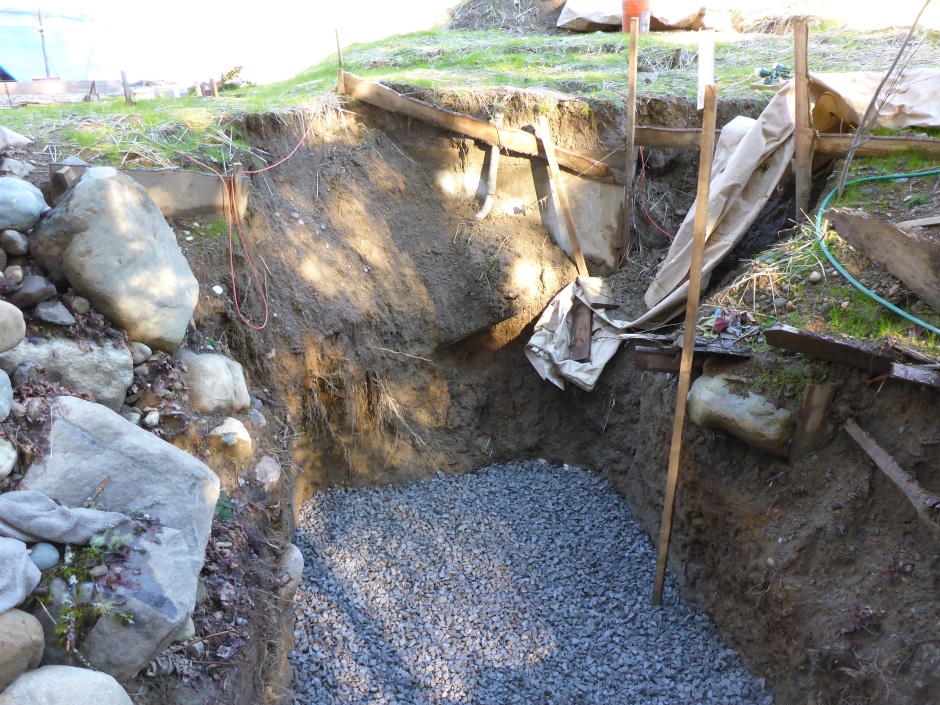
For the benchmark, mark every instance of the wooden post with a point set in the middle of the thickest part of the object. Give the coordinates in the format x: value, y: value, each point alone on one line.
x: 237, y: 188
x: 688, y: 342
x: 630, y: 145
x: 214, y: 87
x: 803, y: 130
x: 198, y: 89
x: 127, y: 88
x: 559, y: 197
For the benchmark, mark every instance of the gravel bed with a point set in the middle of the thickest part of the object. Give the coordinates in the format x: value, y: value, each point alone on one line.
x: 520, y: 583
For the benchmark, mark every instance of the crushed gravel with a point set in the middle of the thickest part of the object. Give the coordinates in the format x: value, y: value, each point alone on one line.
x: 520, y: 583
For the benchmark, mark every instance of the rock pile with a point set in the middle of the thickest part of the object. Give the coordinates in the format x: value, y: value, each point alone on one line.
x: 95, y: 300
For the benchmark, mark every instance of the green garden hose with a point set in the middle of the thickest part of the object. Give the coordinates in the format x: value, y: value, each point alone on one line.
x: 852, y: 280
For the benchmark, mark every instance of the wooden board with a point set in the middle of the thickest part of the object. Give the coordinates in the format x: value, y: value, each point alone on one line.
x: 813, y: 429
x: 824, y: 347
x: 910, y: 256
x: 803, y: 129
x: 177, y: 193
x: 582, y: 318
x: 505, y: 138
x: 626, y: 218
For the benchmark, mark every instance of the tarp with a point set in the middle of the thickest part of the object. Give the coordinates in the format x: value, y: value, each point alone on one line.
x: 751, y: 158
x: 31, y: 516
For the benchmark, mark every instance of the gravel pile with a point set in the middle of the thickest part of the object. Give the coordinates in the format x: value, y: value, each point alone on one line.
x: 521, y: 583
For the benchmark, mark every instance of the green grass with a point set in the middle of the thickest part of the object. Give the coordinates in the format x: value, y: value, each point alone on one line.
x: 866, y: 319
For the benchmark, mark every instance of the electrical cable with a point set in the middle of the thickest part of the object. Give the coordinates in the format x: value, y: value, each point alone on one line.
x: 852, y: 280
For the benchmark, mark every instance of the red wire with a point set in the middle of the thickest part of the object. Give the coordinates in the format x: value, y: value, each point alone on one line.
x: 293, y: 151
x: 232, y: 213
x: 643, y: 195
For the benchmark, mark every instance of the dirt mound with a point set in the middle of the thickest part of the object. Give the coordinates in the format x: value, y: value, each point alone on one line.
x: 522, y: 17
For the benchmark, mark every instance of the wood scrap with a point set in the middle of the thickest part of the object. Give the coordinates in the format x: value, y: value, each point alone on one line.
x: 813, y: 430
x: 803, y: 129
x: 824, y: 347
x: 926, y: 506
x: 918, y: 223
x: 911, y: 257
x: 506, y: 138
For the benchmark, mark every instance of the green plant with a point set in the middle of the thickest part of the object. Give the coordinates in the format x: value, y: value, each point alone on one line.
x: 224, y: 508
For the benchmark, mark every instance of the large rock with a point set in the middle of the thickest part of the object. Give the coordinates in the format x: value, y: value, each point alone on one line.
x: 216, y: 383
x: 88, y: 443
x: 18, y: 575
x: 753, y: 419
x: 12, y: 140
x: 64, y: 685
x: 21, y: 204
x: 112, y: 244
x: 105, y: 371
x: 21, y: 644
x: 12, y: 326
x: 33, y: 290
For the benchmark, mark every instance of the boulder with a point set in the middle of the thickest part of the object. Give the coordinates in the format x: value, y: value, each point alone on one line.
x: 12, y: 326
x: 753, y: 419
x: 64, y: 685
x: 102, y: 370
x: 231, y: 438
x: 21, y: 644
x: 54, y: 312
x: 87, y: 443
x: 7, y: 458
x: 16, y: 167
x: 267, y: 474
x: 216, y: 383
x: 14, y: 243
x: 12, y: 140
x: 110, y: 241
x: 6, y: 395
x: 161, y: 599
x: 33, y: 290
x: 18, y: 576
x: 21, y: 204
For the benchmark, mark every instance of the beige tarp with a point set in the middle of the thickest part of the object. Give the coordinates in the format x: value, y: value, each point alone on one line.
x: 589, y: 15
x: 750, y: 159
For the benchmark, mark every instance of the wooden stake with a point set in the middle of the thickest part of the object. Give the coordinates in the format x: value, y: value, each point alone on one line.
x: 688, y: 342
x: 198, y: 89
x: 340, y: 73
x: 630, y: 145
x: 803, y: 131
x: 214, y: 87
x: 339, y: 50
x: 559, y: 196
x: 237, y: 189
x: 127, y: 88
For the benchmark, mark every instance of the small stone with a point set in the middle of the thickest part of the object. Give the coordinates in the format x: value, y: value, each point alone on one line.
x: 142, y: 369
x: 789, y: 306
x: 152, y: 419
x: 186, y: 633
x: 295, y: 215
x: 14, y: 273
x: 844, y: 305
x: 323, y: 227
x: 218, y: 290
x: 21, y: 645
x: 256, y: 419
x: 267, y: 473
x: 26, y: 372
x: 34, y: 289
x: 54, y: 312
x: 7, y: 458
x: 201, y: 594
x: 133, y: 417
x: 80, y: 306
x: 189, y: 238
x: 232, y: 439
x: 780, y: 302
x: 44, y: 555
x: 140, y: 352
x: 814, y: 277
x: 14, y: 243
x: 6, y: 395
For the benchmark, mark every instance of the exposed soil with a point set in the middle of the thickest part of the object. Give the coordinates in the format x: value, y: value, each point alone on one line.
x: 820, y: 573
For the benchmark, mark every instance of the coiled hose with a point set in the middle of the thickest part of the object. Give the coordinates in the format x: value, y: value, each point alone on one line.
x: 852, y: 280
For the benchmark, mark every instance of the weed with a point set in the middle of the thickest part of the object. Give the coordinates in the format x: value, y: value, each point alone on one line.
x: 224, y: 508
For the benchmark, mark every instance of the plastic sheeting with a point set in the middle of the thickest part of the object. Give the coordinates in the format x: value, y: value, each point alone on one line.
x: 589, y: 15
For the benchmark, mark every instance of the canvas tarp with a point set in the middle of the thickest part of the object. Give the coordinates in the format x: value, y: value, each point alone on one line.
x: 751, y: 158
x: 589, y: 15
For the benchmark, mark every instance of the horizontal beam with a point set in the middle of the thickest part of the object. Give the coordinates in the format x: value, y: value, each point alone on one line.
x: 507, y: 138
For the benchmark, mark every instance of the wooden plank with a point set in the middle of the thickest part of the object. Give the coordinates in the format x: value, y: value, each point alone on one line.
x: 803, y: 130
x: 177, y: 193
x: 582, y: 319
x: 559, y: 196
x: 918, y: 375
x: 923, y: 503
x: 825, y: 347
x: 691, y: 315
x: 825, y: 143
x: 910, y: 256
x: 878, y: 146
x: 198, y: 87
x: 919, y: 223
x: 626, y: 221
x: 214, y: 88
x: 505, y: 138
x: 812, y: 429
